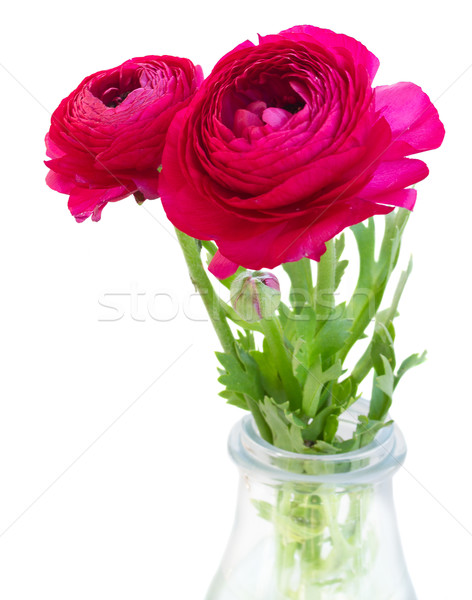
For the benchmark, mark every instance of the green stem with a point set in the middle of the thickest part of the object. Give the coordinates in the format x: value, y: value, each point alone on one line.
x: 261, y: 423
x: 301, y: 279
x: 203, y: 285
x: 274, y: 338
x: 325, y: 284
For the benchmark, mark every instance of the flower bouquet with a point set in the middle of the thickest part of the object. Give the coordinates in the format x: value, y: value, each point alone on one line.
x: 273, y: 160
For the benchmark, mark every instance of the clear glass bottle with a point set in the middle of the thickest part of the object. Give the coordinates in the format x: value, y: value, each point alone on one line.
x: 314, y: 527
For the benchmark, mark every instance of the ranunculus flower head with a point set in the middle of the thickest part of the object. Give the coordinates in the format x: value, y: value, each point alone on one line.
x: 287, y: 143
x: 107, y: 137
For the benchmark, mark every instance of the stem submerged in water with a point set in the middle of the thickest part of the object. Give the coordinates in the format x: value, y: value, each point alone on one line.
x: 321, y: 541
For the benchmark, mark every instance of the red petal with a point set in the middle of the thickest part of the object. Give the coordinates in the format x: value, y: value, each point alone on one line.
x: 413, y: 119
x: 222, y: 267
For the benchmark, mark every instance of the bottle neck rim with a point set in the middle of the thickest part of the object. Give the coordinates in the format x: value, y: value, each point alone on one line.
x: 370, y: 464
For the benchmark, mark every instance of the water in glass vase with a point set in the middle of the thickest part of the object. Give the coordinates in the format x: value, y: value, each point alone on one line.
x: 314, y: 527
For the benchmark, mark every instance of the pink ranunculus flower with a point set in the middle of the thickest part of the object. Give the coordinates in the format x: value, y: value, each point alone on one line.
x: 287, y: 143
x: 107, y: 137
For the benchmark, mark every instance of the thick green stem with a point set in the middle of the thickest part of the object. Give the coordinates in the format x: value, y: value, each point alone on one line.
x: 274, y: 337
x: 203, y: 285
x: 325, y: 284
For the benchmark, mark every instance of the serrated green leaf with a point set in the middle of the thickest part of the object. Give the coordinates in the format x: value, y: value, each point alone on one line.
x: 330, y: 339
x: 229, y: 362
x: 246, y: 339
x: 315, y: 381
x: 235, y: 399
x: 286, y: 434
x: 241, y: 376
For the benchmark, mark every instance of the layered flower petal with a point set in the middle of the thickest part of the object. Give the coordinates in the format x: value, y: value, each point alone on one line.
x: 413, y: 119
x: 107, y: 137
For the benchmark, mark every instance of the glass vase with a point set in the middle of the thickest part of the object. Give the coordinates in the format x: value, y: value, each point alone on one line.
x: 314, y: 527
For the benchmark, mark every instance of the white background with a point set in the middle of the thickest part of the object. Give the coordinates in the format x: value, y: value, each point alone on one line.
x: 139, y: 506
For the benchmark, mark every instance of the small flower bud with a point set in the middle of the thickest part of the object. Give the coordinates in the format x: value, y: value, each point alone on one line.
x: 255, y: 295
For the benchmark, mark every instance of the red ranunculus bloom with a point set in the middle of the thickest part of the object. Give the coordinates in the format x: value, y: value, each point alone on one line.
x: 286, y: 143
x: 106, y: 138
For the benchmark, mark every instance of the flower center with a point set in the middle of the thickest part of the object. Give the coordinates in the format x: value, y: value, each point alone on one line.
x: 118, y: 99
x: 269, y: 100
x: 116, y: 87
x: 293, y: 106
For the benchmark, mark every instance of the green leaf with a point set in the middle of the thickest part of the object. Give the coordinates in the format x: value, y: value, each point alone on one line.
x: 368, y: 429
x: 382, y: 391
x: 343, y: 393
x: 241, y: 376
x: 387, y: 316
x: 365, y: 238
x: 285, y: 430
x: 235, y: 399
x: 373, y: 275
x: 381, y: 342
x: 382, y: 347
x: 331, y: 427
x: 269, y: 376
x: 315, y: 429
x: 315, y: 382
x: 339, y: 245
x: 246, y: 340
x: 330, y: 339
x: 325, y: 448
x: 395, y: 223
x: 412, y: 361
x: 339, y: 272
x: 341, y: 265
